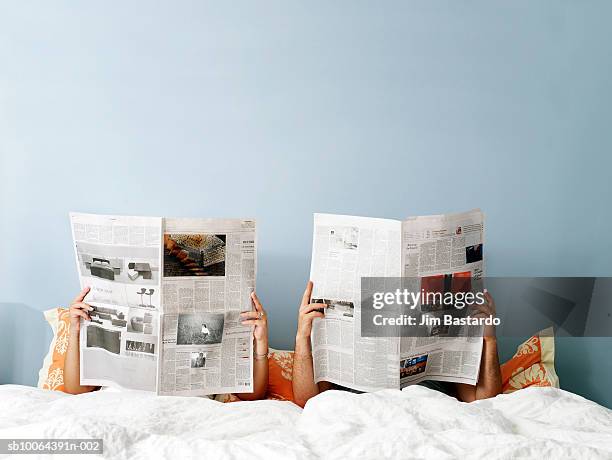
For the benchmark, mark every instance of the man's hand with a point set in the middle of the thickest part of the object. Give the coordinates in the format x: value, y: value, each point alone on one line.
x: 486, y: 310
x: 78, y: 310
x: 303, y: 384
x: 307, y: 313
x: 489, y: 379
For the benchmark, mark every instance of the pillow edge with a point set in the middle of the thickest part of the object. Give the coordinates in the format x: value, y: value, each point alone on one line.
x: 52, y: 318
x: 547, y: 341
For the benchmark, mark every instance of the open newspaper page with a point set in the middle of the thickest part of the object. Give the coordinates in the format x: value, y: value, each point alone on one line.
x: 346, y: 248
x: 209, y: 268
x: 119, y: 258
x: 442, y: 254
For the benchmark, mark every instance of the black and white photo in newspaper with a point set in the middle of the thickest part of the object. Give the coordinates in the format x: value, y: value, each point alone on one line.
x: 345, y: 249
x: 208, y: 274
x: 119, y: 258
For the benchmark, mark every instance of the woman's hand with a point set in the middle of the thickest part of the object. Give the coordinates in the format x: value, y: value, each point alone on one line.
x: 307, y: 313
x: 78, y: 310
x: 259, y: 319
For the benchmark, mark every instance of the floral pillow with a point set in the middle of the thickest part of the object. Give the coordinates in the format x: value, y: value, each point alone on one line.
x: 280, y: 373
x: 280, y: 369
x: 51, y: 375
x: 533, y: 364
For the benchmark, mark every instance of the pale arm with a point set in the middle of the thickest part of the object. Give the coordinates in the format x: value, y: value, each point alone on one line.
x: 260, y: 374
x: 259, y: 319
x: 72, y: 367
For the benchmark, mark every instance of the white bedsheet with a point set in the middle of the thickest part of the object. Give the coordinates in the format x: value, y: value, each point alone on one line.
x: 417, y: 422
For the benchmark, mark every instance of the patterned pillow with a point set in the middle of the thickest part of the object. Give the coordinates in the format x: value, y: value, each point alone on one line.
x: 533, y: 364
x: 280, y: 373
x: 280, y: 369
x: 51, y: 375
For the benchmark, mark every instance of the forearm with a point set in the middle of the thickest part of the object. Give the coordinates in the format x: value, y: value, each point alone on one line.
x: 489, y: 382
x: 304, y: 386
x: 260, y: 373
x: 72, y: 368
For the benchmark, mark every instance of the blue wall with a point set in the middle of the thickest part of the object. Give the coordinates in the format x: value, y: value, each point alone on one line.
x: 279, y: 109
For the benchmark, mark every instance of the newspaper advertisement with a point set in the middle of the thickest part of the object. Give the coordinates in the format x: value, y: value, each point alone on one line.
x: 445, y: 254
x: 119, y: 258
x: 346, y: 248
x: 209, y: 271
x: 432, y: 252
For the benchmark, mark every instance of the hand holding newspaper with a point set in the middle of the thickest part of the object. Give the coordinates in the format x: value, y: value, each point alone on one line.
x: 434, y: 250
x: 167, y: 294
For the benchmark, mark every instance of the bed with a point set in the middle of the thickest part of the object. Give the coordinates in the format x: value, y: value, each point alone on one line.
x: 537, y: 422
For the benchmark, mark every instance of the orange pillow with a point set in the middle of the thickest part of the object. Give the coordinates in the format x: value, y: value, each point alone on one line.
x: 280, y: 372
x: 532, y: 365
x: 51, y: 375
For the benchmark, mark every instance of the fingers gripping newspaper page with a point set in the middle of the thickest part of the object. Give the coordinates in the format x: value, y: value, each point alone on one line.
x: 209, y: 268
x: 346, y: 248
x: 443, y: 253
x: 119, y: 258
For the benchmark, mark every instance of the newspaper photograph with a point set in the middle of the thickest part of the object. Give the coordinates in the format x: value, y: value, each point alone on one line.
x: 209, y: 271
x: 119, y: 258
x: 438, y: 253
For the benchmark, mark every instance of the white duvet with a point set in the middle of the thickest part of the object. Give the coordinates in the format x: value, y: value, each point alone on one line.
x: 414, y: 423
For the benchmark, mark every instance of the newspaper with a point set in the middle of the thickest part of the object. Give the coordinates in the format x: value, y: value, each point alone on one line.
x: 205, y: 349
x: 347, y: 248
x: 152, y: 282
x: 120, y: 259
